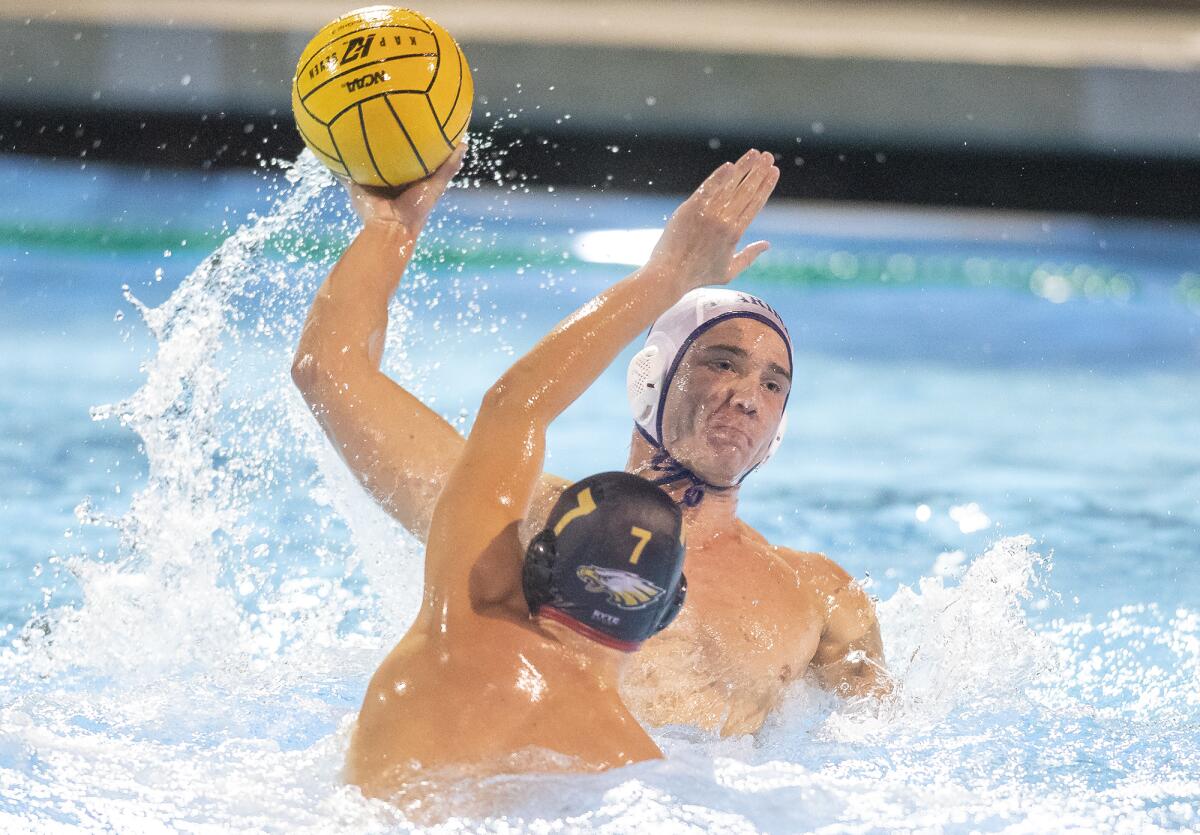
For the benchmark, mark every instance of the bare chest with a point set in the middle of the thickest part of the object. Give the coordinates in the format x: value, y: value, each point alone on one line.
x: 749, y: 627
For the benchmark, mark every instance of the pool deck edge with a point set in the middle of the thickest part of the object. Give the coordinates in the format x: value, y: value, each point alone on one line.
x: 1104, y: 81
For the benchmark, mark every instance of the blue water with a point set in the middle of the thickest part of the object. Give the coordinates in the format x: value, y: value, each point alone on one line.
x: 994, y: 425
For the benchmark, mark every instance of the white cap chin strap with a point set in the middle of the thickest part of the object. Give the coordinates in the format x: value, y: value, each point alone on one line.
x: 651, y: 370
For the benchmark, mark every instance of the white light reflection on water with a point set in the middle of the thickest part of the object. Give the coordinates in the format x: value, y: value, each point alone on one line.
x: 209, y: 678
x: 616, y: 246
x: 969, y: 517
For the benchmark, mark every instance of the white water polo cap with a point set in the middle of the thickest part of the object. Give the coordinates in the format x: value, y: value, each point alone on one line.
x: 653, y: 368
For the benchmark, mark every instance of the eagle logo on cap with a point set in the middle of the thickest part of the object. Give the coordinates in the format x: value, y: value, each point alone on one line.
x: 624, y: 588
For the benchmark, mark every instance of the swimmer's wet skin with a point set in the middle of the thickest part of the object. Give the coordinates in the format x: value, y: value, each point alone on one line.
x: 759, y: 616
x: 509, y: 654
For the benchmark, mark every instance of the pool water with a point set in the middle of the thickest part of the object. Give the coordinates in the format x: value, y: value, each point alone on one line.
x: 994, y: 425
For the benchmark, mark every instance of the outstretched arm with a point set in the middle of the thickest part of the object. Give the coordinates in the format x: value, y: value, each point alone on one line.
x: 492, y: 483
x: 397, y: 447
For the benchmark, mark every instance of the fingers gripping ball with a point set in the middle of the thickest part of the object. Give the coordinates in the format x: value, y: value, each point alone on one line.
x: 382, y: 95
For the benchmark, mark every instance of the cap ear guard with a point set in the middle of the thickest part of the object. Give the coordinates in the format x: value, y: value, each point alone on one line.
x: 644, y: 380
x: 779, y: 433
x: 677, y: 601
x: 537, y: 573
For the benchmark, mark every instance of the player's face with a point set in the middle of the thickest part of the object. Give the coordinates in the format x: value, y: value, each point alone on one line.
x: 726, y: 399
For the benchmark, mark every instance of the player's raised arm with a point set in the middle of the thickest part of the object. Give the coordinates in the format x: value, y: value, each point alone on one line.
x: 397, y: 447
x: 473, y: 538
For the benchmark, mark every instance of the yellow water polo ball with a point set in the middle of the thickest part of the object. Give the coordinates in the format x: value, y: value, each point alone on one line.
x: 382, y: 95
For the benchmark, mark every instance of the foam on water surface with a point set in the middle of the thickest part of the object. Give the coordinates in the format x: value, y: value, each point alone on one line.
x: 208, y: 678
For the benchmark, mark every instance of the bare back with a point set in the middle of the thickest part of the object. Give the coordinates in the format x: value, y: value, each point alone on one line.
x: 472, y: 697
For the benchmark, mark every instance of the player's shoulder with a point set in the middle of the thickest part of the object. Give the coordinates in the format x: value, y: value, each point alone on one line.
x: 817, y: 570
x: 848, y: 607
x: 811, y: 567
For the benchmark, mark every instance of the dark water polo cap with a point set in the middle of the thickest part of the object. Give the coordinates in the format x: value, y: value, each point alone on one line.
x: 609, y: 563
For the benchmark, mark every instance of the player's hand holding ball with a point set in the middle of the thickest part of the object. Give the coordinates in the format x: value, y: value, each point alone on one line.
x: 406, y: 207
